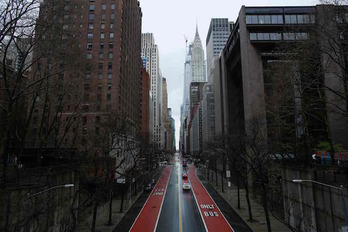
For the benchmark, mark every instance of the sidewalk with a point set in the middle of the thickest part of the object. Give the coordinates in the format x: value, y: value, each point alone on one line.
x: 230, y: 194
x: 103, y: 215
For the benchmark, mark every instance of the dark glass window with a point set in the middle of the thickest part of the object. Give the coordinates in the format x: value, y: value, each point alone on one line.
x: 84, y: 120
x: 253, y: 36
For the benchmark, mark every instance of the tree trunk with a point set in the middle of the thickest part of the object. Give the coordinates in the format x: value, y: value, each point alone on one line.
x: 94, y: 219
x: 222, y: 181
x: 238, y: 193
x: 216, y: 175
x: 265, y: 207
x: 122, y: 198
x: 248, y: 200
x: 110, y: 208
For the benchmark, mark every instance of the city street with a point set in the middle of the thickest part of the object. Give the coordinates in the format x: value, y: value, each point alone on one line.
x: 170, y: 208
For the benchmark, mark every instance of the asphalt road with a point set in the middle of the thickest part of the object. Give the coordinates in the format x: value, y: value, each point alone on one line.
x: 179, y: 211
x: 172, y: 216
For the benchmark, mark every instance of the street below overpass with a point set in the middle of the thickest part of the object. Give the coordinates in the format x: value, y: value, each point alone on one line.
x: 170, y: 208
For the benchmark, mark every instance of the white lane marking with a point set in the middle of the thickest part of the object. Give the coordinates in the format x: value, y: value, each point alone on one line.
x: 194, y: 195
x: 159, y: 213
x: 214, y: 201
x: 146, y: 202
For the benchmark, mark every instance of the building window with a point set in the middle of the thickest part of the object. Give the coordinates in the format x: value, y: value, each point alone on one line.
x: 89, y: 56
x: 100, y: 76
x: 264, y: 19
x: 111, y: 35
x: 98, y: 97
x: 102, y: 26
x: 108, y: 97
x: 290, y: 19
x: 91, y: 7
x: 97, y: 119
x: 103, y: 6
x: 100, y: 86
x: 113, y: 6
x: 101, y: 45
x: 90, y: 35
x: 91, y: 16
x: 110, y: 55
x: 109, y: 86
x: 101, y: 55
x: 289, y: 36
x: 102, y: 35
x: 111, y: 26
x: 88, y: 76
x: 112, y: 16
x: 89, y: 46
x: 109, y: 75
x: 109, y: 65
x: 111, y: 45
x: 100, y: 66
x: 103, y: 16
x: 90, y: 26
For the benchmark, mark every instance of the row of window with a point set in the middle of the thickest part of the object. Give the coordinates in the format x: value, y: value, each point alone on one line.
x: 108, y: 97
x: 280, y: 19
x: 103, y: 6
x: 101, y: 45
x: 100, y: 76
x: 100, y: 87
x: 102, y: 26
x: 103, y: 16
x: 279, y: 36
x: 102, y: 35
x: 90, y: 56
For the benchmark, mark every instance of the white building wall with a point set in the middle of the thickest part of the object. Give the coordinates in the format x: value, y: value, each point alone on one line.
x: 151, y: 54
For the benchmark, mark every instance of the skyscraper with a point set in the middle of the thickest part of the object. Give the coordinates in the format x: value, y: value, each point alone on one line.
x: 198, y: 68
x: 217, y: 37
x: 195, y: 71
x: 95, y: 29
x: 149, y: 53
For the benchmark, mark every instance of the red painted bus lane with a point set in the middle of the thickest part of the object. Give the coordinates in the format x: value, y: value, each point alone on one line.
x: 148, y: 216
x: 212, y: 217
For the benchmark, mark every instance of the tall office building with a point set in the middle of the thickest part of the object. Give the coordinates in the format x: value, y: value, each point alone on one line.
x: 217, y: 37
x: 195, y: 71
x: 94, y: 29
x: 149, y: 53
x: 198, y: 68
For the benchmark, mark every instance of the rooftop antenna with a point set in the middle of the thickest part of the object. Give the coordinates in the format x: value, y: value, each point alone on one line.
x: 185, y: 42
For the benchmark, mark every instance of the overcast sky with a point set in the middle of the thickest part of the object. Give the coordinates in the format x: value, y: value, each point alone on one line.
x: 170, y: 21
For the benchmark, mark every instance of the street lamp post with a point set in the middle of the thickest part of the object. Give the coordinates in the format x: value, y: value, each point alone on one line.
x: 49, y: 189
x: 329, y: 186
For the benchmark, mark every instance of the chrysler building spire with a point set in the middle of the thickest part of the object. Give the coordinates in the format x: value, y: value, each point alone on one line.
x: 198, y: 72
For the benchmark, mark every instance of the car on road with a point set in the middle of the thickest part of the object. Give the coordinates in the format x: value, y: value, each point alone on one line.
x: 186, y: 186
x: 184, y: 175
